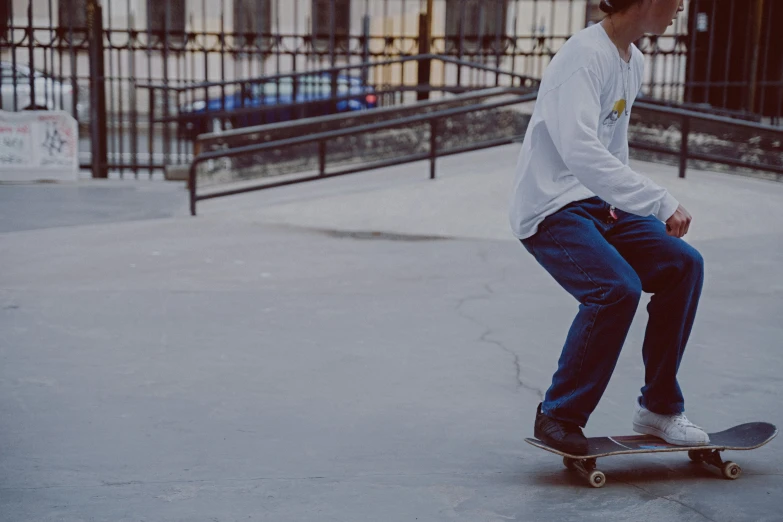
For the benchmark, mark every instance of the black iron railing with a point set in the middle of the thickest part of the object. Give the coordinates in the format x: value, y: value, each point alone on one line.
x: 432, y: 154
x: 685, y: 150
x: 735, y: 144
x: 719, y: 52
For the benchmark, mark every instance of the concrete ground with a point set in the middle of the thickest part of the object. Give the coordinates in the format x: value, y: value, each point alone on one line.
x: 365, y: 348
x: 36, y: 206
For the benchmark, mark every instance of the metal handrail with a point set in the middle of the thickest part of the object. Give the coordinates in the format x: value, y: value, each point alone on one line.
x: 517, y: 80
x: 433, y: 154
x: 430, y: 118
x: 705, y: 116
x: 327, y: 70
x: 685, y: 154
x: 249, y: 110
x: 382, y: 111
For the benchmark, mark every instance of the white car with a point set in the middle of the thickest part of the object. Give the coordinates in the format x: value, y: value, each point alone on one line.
x: 50, y: 94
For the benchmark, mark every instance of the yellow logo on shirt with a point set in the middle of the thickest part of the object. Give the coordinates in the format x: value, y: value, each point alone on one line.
x: 617, y: 110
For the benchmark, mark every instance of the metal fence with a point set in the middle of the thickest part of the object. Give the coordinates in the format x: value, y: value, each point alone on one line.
x: 90, y: 57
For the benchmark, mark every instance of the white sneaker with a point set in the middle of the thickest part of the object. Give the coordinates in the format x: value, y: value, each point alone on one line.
x: 674, y: 429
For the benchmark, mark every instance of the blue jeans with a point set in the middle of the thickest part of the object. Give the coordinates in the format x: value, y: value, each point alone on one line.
x: 605, y: 264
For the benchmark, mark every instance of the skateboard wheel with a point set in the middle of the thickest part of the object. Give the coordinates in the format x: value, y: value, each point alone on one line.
x: 596, y: 479
x: 695, y: 456
x: 569, y: 463
x: 731, y: 470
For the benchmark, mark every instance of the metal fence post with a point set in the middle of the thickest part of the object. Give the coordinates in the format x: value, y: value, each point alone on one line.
x: 365, y: 49
x: 321, y: 157
x: 685, y: 132
x: 425, y: 66
x: 31, y: 57
x: 757, y: 16
x: 433, y: 146
x: 98, y: 130
x: 192, y: 186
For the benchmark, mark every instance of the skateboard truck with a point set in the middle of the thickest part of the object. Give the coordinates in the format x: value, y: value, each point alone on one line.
x: 729, y: 469
x: 586, y: 468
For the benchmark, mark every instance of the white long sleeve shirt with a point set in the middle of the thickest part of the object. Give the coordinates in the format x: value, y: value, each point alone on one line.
x: 576, y: 145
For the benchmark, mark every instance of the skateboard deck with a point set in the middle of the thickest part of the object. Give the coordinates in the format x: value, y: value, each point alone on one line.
x: 742, y: 437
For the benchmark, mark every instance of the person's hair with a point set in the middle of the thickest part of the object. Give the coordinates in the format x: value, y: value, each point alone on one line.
x: 616, y: 6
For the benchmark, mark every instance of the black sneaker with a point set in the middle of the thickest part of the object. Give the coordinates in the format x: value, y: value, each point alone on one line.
x: 564, y: 436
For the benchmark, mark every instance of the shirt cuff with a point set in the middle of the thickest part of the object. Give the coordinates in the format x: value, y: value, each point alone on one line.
x: 668, y: 207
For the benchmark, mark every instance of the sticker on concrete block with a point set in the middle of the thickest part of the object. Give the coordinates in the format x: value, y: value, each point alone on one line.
x: 38, y: 145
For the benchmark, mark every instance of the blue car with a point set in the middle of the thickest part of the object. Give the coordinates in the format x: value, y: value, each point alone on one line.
x: 273, y: 101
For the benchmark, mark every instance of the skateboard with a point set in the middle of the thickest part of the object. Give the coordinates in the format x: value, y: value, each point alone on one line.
x: 743, y: 437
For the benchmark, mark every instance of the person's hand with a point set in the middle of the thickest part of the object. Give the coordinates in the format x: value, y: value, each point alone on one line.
x: 678, y: 224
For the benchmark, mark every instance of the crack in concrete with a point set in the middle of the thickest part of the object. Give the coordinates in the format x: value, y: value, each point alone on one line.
x: 517, y: 366
x: 484, y: 338
x: 683, y: 504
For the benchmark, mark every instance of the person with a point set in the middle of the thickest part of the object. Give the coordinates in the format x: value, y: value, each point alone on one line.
x: 605, y: 232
